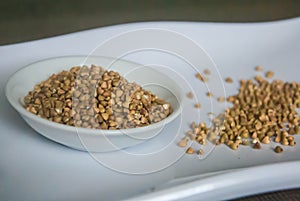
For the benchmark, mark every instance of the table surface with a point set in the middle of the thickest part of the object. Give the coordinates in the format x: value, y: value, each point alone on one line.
x: 32, y: 19
x: 35, y: 20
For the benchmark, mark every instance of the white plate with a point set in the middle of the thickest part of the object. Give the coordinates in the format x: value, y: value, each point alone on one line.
x: 94, y: 140
x: 235, y: 48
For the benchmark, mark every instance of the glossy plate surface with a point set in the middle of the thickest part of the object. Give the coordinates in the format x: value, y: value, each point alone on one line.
x: 220, y: 174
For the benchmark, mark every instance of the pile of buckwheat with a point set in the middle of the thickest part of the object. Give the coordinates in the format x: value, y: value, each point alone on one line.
x: 261, y: 112
x: 92, y: 97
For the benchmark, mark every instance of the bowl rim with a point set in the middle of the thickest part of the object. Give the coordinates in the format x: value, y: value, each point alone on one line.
x: 86, y: 131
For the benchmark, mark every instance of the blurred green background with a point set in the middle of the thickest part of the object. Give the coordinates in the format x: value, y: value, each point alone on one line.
x: 24, y: 20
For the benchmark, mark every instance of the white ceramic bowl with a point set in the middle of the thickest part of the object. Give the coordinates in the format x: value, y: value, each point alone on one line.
x: 94, y: 140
